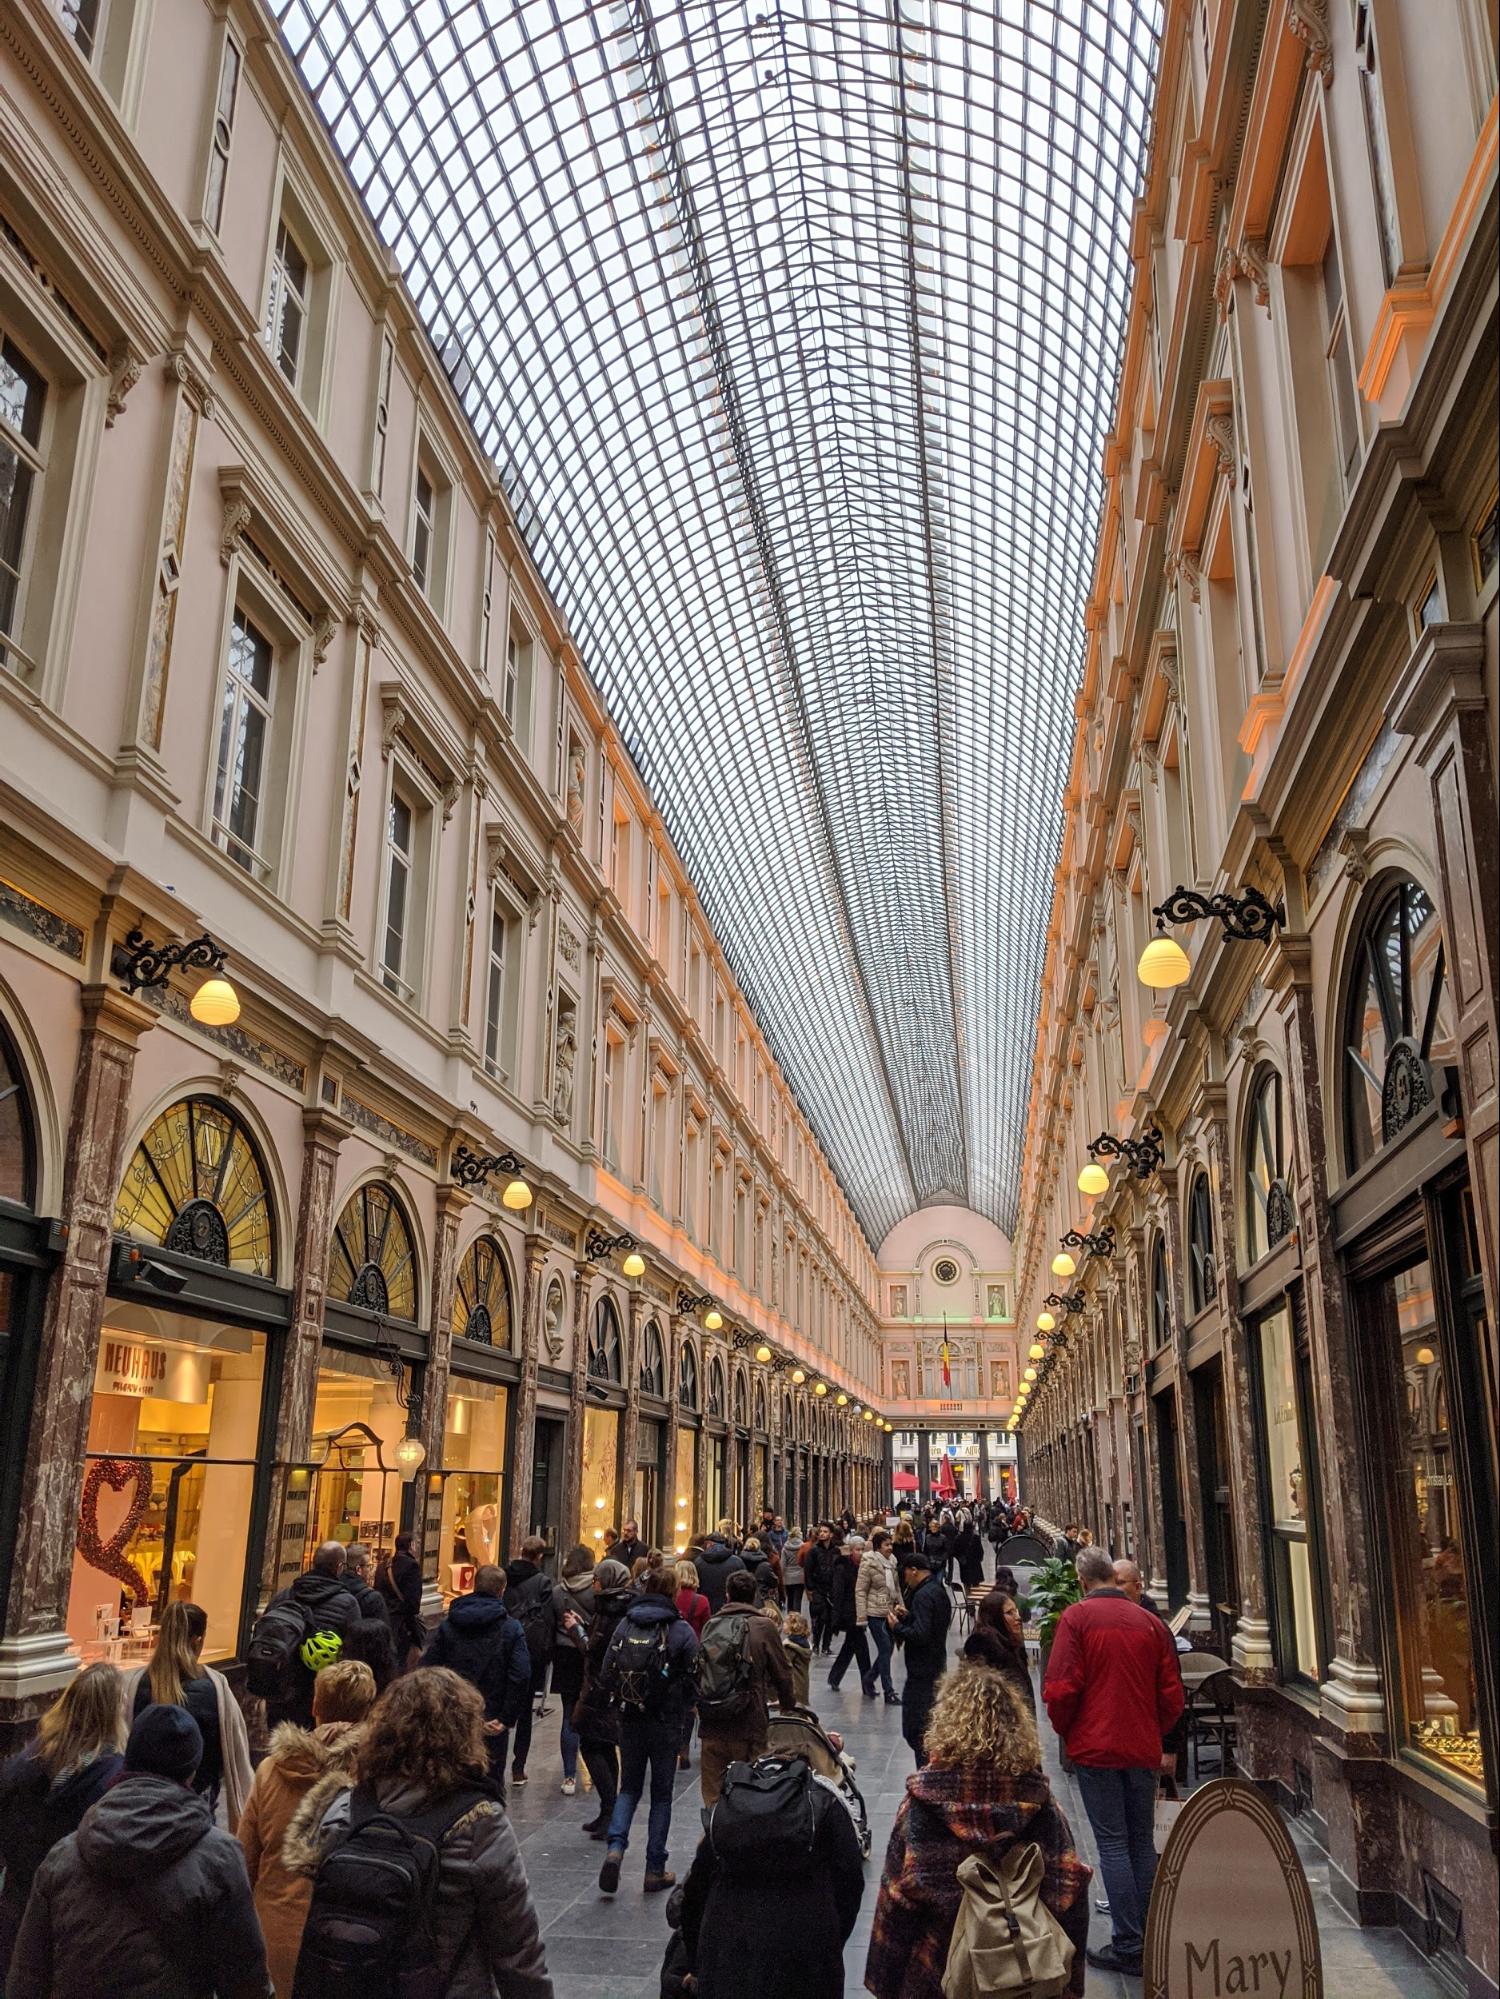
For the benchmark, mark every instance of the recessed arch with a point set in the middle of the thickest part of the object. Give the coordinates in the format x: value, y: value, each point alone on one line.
x: 1270, y: 1212
x: 1397, y: 1017
x: 1203, y: 1274
x: 196, y: 1184
x: 372, y: 1255
x: 606, y: 1345
x: 483, y: 1297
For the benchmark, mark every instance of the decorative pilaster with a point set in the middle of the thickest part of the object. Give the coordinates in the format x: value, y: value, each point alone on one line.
x: 523, y: 1424
x: 584, y: 1275
x: 630, y: 1428
x: 451, y: 1203
x: 35, y: 1657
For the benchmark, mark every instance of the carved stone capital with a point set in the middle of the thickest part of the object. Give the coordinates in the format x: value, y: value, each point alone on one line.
x: 191, y: 378
x: 237, y: 518
x: 1308, y: 21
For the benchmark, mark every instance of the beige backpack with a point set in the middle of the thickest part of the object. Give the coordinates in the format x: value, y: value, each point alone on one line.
x: 1006, y: 1940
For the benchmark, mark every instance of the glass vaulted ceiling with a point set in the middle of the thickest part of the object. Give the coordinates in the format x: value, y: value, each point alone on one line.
x: 795, y: 332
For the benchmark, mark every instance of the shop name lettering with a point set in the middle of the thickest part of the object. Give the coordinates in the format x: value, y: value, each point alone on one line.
x: 1211, y: 1975
x: 128, y: 1363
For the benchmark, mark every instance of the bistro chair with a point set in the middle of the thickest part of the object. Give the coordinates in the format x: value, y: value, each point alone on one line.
x: 1212, y: 1724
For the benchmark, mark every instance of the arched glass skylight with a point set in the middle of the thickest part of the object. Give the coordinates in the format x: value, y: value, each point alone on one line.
x: 795, y: 331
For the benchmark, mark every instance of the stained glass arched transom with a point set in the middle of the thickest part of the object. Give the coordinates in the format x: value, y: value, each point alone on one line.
x: 1398, y: 1030
x: 1202, y: 1269
x: 606, y: 1360
x: 482, y: 1302
x: 758, y: 1406
x: 793, y: 332
x: 653, y: 1361
x: 1161, y: 1296
x: 195, y: 1185
x: 1270, y: 1211
x: 687, y: 1377
x: 741, y: 1402
x: 716, y: 1387
x: 372, y: 1261
x: 17, y: 1131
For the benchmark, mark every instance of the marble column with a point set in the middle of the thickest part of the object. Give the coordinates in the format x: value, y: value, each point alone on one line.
x: 583, y: 1294
x: 35, y: 1655
x: 1189, y: 1461
x: 523, y: 1422
x: 323, y: 1133
x: 630, y: 1426
x: 432, y: 1424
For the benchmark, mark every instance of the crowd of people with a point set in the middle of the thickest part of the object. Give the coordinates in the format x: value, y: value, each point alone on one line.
x: 368, y: 1847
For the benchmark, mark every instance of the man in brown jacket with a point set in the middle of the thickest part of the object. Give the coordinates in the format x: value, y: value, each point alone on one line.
x: 735, y: 1729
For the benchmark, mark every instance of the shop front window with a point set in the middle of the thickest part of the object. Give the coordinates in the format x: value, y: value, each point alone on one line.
x: 168, y: 1482
x: 474, y: 1435
x: 358, y: 1420
x: 685, y: 1515
x: 601, y: 1476
x: 1286, y: 1406
x: 713, y: 1512
x: 1433, y: 1595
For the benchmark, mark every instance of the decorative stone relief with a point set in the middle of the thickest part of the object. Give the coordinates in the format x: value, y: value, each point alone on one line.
x: 379, y: 1126
x: 567, y: 943
x: 169, y: 568
x: 553, y: 1313
x: 1308, y: 21
x: 125, y: 367
x: 564, y: 1057
x: 19, y: 910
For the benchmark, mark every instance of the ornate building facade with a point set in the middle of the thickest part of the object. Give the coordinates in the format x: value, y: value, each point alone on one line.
x: 275, y: 667
x: 1270, y: 1368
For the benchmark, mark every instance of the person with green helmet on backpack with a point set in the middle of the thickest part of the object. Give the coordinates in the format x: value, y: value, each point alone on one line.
x: 315, y: 1604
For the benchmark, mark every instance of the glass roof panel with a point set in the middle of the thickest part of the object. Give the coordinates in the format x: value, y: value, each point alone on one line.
x: 794, y: 331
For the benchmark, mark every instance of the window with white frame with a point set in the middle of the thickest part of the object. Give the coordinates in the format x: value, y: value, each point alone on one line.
x: 609, y: 1105
x: 242, y: 771
x: 497, y: 990
x: 221, y: 135
x: 400, y: 938
x: 516, y: 693
x: 423, y: 528
x: 288, y: 304
x: 1340, y: 358
x: 101, y: 32
x: 23, y: 397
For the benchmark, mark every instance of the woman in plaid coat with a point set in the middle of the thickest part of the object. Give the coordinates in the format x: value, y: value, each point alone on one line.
x: 982, y: 1791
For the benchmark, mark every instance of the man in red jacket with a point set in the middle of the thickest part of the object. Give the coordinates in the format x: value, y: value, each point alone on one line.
x: 1113, y: 1691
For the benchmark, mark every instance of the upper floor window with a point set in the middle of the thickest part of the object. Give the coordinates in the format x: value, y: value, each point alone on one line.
x: 498, y: 988
x: 1398, y: 1025
x: 1202, y: 1271
x: 221, y: 137
x: 1270, y: 1211
x: 288, y: 305
x: 101, y: 31
x: 245, y: 726
x: 23, y: 395
x: 423, y: 527
x: 716, y: 1387
x: 653, y: 1363
x: 405, y: 845
x: 604, y: 1344
x: 1161, y: 1296
x: 1339, y: 354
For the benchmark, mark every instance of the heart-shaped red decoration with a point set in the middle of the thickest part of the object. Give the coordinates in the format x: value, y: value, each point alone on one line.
x: 119, y: 1474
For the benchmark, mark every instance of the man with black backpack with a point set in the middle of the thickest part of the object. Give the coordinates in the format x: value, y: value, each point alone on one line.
x: 647, y: 1675
x: 533, y: 1601
x: 742, y: 1665
x: 315, y: 1606
x: 483, y: 1644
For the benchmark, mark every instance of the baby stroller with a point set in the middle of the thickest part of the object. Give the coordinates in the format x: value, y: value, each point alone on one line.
x: 798, y: 1732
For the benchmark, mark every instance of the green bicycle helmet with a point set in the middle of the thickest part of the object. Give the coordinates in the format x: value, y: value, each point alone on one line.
x: 320, y: 1650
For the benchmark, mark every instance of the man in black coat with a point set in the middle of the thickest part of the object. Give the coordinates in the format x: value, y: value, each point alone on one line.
x: 399, y: 1582
x: 357, y: 1565
x: 817, y: 1579
x: 486, y: 1646
x: 715, y: 1565
x: 534, y: 1601
x: 921, y: 1630
x: 325, y: 1604
x: 630, y: 1547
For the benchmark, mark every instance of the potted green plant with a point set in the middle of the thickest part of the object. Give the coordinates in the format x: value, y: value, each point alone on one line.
x: 1049, y: 1591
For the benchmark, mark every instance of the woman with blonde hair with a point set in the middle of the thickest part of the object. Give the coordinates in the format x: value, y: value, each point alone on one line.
x: 44, y: 1791
x: 302, y: 1764
x: 423, y: 1751
x: 982, y: 1790
x: 175, y: 1676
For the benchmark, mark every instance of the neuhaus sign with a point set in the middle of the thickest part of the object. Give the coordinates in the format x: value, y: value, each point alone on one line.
x: 1231, y: 1915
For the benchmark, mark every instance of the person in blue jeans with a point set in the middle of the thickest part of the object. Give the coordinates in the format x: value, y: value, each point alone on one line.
x: 648, y: 1673
x: 1113, y: 1691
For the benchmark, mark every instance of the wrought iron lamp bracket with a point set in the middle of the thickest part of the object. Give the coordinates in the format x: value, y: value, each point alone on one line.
x: 600, y: 1245
x: 1249, y: 917
x: 470, y: 1168
x: 138, y: 962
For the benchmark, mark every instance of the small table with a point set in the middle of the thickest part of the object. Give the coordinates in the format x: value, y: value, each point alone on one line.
x: 1196, y: 1667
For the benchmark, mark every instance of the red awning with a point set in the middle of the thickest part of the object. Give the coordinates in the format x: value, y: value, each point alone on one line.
x: 905, y: 1481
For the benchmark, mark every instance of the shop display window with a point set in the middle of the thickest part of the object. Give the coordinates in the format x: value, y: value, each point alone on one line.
x: 169, y: 1479
x: 1284, y: 1393
x: 713, y: 1511
x: 1433, y: 1593
x: 601, y: 1475
x: 358, y: 1420
x: 474, y: 1459
x: 684, y: 1515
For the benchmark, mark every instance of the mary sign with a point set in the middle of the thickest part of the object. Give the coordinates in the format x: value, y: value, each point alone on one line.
x: 1231, y: 1915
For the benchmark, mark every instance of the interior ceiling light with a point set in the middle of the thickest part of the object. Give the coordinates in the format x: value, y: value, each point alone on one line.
x: 803, y: 422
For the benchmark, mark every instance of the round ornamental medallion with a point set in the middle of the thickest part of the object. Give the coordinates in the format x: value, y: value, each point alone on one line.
x: 198, y: 1230
x: 1406, y: 1090
x: 1281, y: 1215
x: 945, y: 1270
x: 480, y: 1327
x: 370, y: 1289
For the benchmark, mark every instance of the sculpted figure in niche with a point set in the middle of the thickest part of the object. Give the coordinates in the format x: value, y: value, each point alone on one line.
x: 552, y: 1318
x: 900, y: 1380
x: 576, y: 772
x: 564, y: 1057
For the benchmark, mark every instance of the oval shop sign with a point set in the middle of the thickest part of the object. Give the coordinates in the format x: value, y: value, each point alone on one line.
x: 1231, y: 1914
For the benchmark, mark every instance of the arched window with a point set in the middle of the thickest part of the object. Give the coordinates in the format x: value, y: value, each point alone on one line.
x: 196, y: 1186
x: 17, y: 1131
x: 1270, y: 1212
x: 1203, y: 1275
x: 372, y: 1260
x: 759, y: 1406
x: 741, y: 1403
x: 1161, y: 1296
x: 716, y: 1387
x: 1398, y: 1022
x: 605, y: 1363
x: 653, y: 1362
x: 687, y: 1377
x: 481, y: 1303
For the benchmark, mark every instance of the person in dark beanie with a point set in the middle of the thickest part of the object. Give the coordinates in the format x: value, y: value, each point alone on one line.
x: 920, y: 1628
x: 149, y: 1899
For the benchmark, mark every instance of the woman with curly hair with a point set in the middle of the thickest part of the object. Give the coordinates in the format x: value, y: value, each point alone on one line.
x: 982, y: 1790
x: 424, y: 1746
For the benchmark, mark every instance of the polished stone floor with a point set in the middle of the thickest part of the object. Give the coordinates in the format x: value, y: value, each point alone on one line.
x: 599, y: 1948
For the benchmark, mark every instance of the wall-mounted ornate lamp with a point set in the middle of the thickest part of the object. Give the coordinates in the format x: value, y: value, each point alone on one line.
x: 138, y: 963
x: 472, y: 1169
x: 1249, y: 917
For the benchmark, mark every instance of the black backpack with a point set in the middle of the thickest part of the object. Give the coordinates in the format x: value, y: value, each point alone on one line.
x: 272, y: 1652
x: 369, y: 1931
x: 767, y: 1816
x: 636, y: 1666
x: 722, y: 1667
x: 534, y: 1615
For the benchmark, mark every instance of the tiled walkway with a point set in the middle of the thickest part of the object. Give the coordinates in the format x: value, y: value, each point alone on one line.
x: 599, y: 1948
